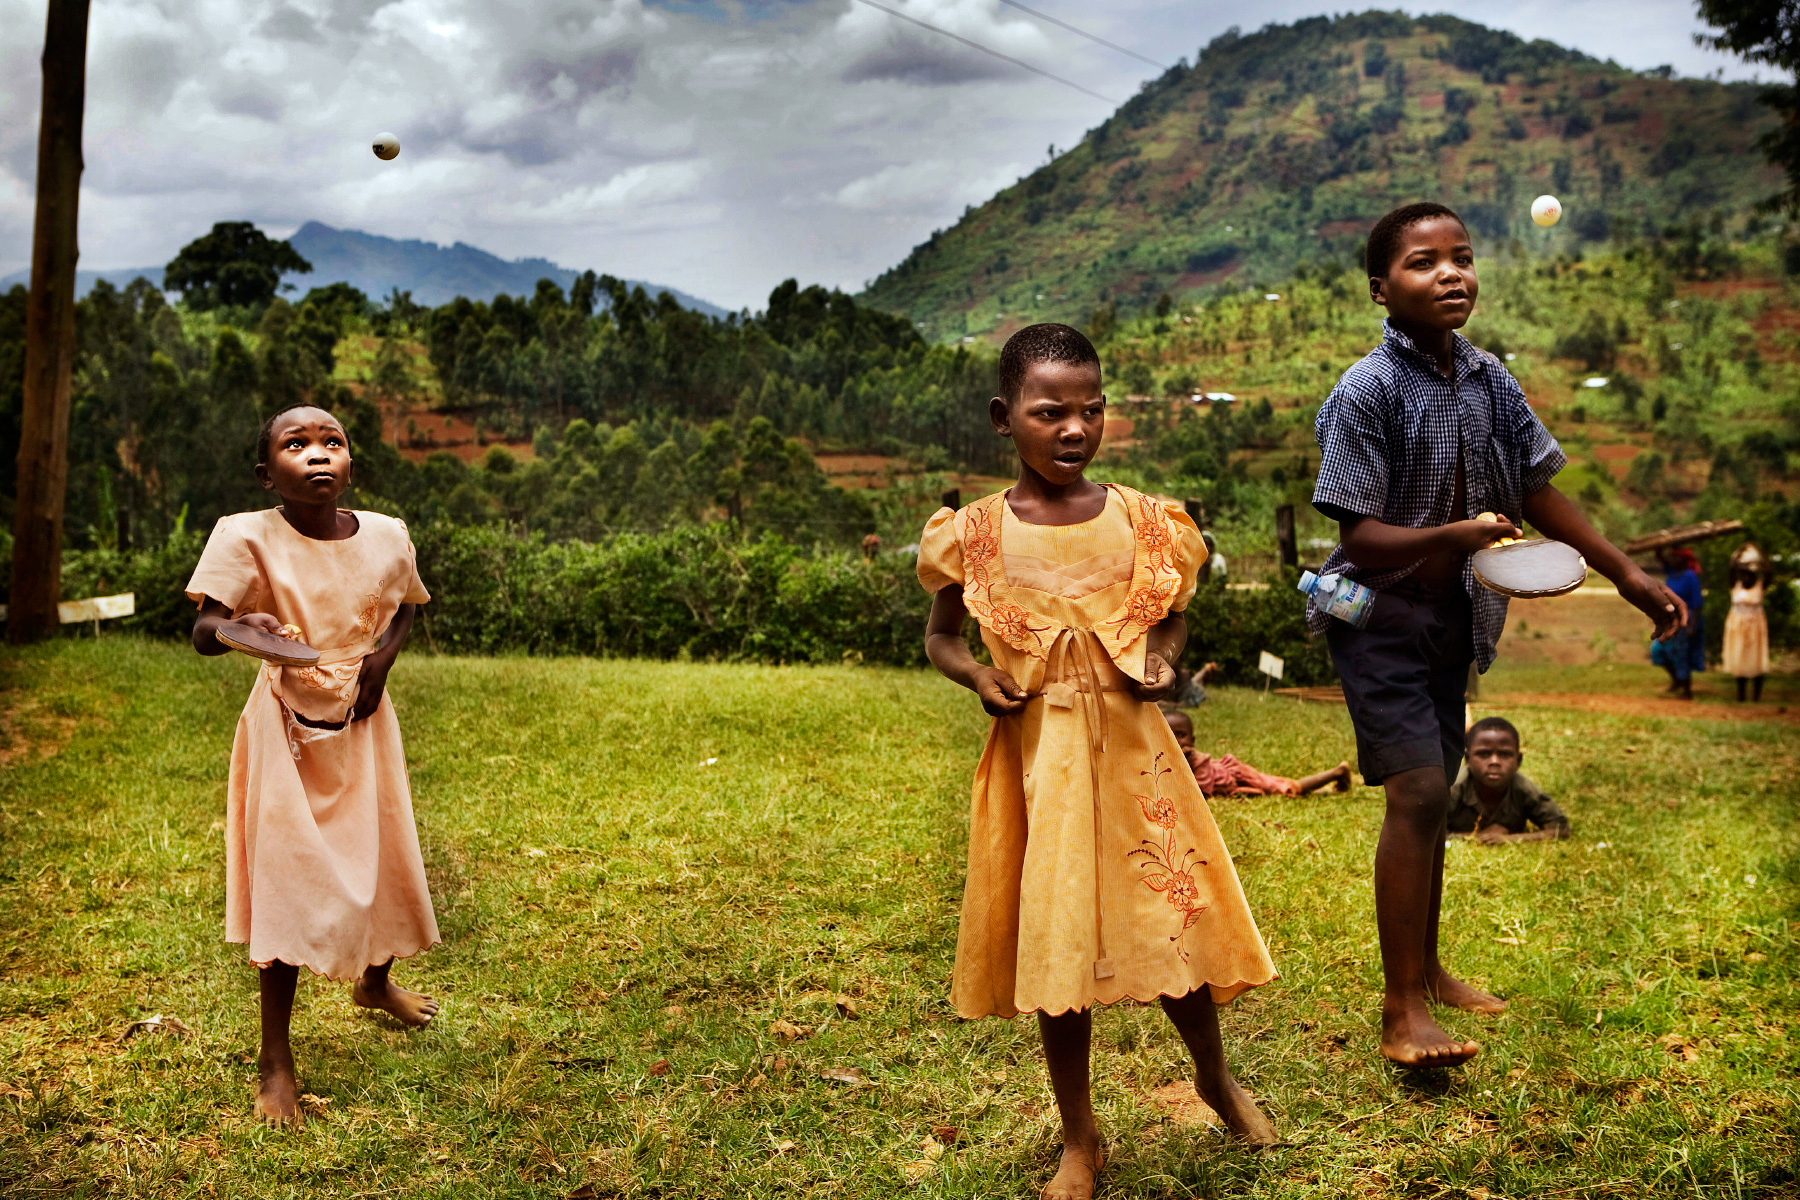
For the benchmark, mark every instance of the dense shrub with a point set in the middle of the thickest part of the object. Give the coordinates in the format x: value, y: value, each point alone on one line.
x: 156, y: 575
x: 692, y: 592
x: 1232, y: 626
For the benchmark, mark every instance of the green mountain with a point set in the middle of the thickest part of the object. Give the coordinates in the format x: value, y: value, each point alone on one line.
x: 1283, y: 146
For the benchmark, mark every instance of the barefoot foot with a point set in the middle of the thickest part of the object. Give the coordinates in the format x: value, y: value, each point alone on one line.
x: 277, y: 1092
x: 1239, y: 1112
x: 1074, y: 1179
x: 409, y: 1008
x: 1411, y: 1038
x: 1340, y: 777
x: 1447, y: 989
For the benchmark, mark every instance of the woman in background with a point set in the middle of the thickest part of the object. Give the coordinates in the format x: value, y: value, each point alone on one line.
x: 1685, y: 652
x: 1747, y: 629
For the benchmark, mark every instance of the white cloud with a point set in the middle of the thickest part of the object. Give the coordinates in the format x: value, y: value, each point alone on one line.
x: 719, y: 148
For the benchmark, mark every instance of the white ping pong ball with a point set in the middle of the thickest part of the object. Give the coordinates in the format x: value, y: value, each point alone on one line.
x: 387, y: 147
x: 1546, y: 210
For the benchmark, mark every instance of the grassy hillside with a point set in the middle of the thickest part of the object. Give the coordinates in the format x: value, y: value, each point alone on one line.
x: 1672, y: 395
x: 1281, y: 147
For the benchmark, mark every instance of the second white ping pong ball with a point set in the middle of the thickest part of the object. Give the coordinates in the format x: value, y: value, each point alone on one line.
x: 387, y: 147
x: 1546, y: 210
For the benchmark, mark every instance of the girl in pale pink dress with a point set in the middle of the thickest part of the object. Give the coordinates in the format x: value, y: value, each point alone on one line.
x: 322, y: 863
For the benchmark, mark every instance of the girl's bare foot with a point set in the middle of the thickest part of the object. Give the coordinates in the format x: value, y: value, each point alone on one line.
x: 1447, y: 989
x: 409, y: 1008
x: 1239, y: 1112
x: 1074, y: 1179
x: 1411, y: 1038
x: 277, y: 1092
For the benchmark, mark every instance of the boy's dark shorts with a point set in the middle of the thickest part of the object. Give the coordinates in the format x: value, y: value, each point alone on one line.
x: 1404, y: 677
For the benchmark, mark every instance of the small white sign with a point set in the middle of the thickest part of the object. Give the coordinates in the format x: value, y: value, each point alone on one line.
x: 100, y: 608
x: 1269, y: 665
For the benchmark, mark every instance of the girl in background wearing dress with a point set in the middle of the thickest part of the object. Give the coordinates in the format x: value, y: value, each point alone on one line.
x: 322, y: 863
x: 1747, y: 628
x: 1095, y: 870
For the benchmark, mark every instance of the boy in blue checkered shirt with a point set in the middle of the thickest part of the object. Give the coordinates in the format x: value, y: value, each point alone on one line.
x: 1415, y: 440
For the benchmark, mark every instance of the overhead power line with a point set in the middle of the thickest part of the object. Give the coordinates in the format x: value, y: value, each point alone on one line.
x: 989, y: 51
x: 1083, y: 33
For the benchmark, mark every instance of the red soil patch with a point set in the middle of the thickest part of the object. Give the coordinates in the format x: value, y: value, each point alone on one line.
x: 1617, y: 459
x: 1200, y: 279
x: 1642, y: 706
x: 1724, y: 289
x: 469, y: 452
x: 1331, y: 229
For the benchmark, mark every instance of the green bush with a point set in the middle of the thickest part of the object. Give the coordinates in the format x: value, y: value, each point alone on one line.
x: 692, y: 592
x: 156, y: 575
x: 696, y: 591
x: 1232, y: 626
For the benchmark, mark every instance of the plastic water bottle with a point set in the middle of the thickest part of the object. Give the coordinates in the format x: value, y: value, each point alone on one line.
x: 1345, y: 599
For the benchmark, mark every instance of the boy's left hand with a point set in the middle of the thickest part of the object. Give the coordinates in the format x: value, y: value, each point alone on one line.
x: 1667, y: 611
x: 1159, y: 679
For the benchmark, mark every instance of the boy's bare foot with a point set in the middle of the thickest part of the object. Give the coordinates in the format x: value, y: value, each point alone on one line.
x: 1239, y: 1112
x: 1074, y: 1179
x: 1449, y: 990
x: 1411, y: 1038
x: 409, y: 1008
x: 277, y: 1093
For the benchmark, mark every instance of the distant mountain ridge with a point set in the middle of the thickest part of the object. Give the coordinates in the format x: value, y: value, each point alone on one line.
x: 1284, y: 145
x: 376, y: 265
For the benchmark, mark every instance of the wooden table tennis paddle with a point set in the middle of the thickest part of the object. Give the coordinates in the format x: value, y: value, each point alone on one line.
x: 1529, y: 569
x: 270, y: 647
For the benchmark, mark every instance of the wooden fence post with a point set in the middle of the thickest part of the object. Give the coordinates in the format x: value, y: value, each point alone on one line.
x: 1284, y: 536
x: 50, y: 329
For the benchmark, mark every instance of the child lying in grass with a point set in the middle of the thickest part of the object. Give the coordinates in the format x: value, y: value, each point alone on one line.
x: 1226, y: 776
x: 1096, y: 873
x: 1492, y: 800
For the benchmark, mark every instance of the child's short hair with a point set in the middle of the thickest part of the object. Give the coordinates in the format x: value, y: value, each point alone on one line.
x: 268, y: 428
x: 1037, y: 344
x: 1494, y: 724
x: 1384, y: 239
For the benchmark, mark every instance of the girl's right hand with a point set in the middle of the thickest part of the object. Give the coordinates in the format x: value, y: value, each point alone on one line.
x: 1000, y: 695
x: 259, y: 620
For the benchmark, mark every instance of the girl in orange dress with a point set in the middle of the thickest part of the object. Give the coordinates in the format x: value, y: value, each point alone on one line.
x: 322, y: 863
x: 1095, y: 870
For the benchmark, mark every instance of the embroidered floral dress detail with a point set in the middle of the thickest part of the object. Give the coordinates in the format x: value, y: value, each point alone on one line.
x: 1155, y: 579
x: 1171, y: 876
x: 984, y: 589
x: 365, y: 618
x: 1155, y: 575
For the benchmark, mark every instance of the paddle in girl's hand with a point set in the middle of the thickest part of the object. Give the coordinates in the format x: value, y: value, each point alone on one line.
x: 281, y: 648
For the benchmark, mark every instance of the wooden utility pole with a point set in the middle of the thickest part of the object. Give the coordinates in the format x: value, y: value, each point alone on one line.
x: 50, y: 329
x: 1284, y: 536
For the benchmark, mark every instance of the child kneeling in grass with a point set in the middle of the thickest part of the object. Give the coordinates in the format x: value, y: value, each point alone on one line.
x: 322, y: 862
x: 1492, y: 800
x: 1095, y: 870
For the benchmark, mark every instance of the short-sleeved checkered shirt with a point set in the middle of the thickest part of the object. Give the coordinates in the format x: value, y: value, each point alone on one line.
x: 1390, y: 436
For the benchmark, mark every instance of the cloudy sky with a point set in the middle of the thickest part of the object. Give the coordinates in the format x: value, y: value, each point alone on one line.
x: 716, y: 146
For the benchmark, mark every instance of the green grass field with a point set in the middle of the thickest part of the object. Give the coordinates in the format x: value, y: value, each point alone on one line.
x: 624, y: 926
